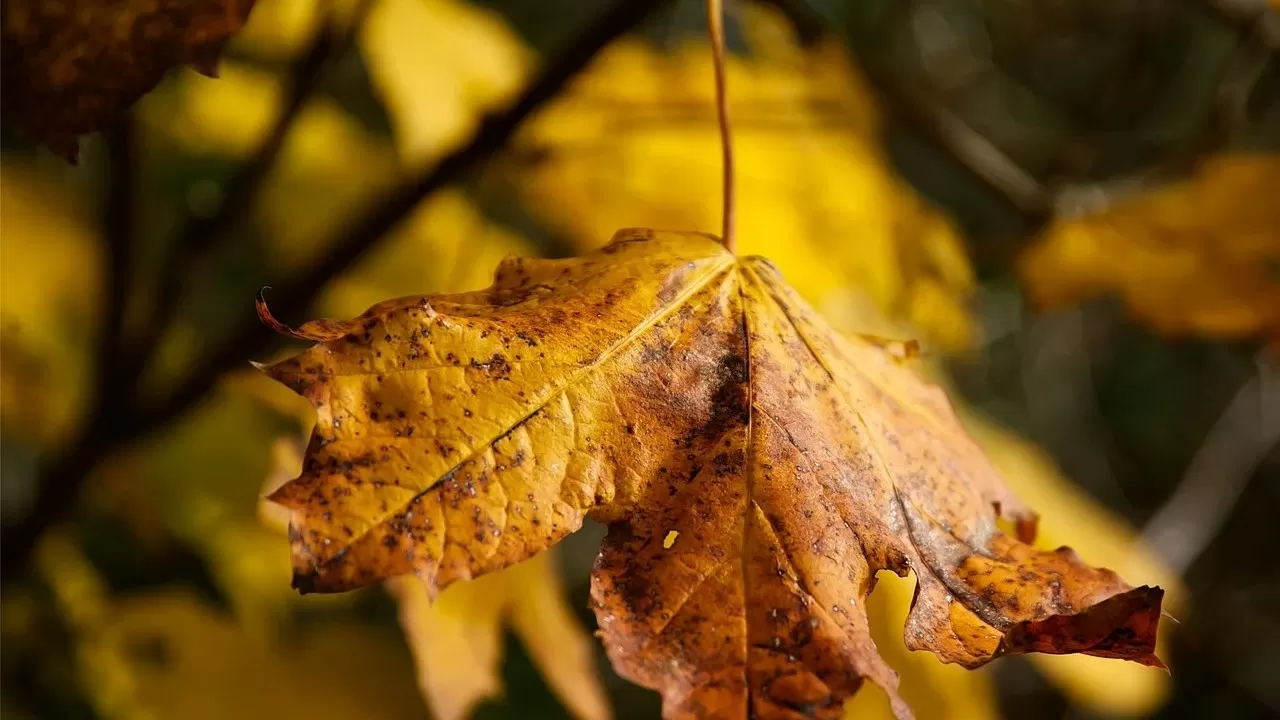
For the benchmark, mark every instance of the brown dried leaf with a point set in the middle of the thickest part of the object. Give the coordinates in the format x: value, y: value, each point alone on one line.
x: 70, y: 68
x: 755, y: 468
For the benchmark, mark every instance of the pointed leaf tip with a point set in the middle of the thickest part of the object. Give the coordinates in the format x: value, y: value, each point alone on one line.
x: 206, y: 61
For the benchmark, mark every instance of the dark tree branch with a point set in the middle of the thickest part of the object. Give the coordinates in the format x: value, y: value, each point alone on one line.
x: 64, y: 477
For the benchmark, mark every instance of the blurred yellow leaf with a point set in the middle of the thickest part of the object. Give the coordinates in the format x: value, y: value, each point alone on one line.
x: 1102, y: 539
x: 80, y: 597
x: 1200, y: 256
x: 164, y: 654
x: 203, y: 477
x: 228, y: 116
x: 456, y: 640
x: 560, y: 646
x: 327, y: 154
x: 634, y: 143
x: 437, y: 65
x: 48, y: 289
x: 188, y: 661
x: 445, y: 245
x: 278, y: 29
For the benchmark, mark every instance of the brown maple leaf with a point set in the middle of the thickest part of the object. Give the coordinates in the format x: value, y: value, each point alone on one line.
x: 755, y: 469
x: 71, y: 67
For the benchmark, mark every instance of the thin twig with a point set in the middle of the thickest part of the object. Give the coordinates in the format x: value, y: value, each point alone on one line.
x: 64, y: 477
x: 119, y: 220
x: 715, y: 28
x: 1061, y: 401
x: 1256, y: 16
x: 969, y: 147
x: 1216, y: 478
x: 1257, y: 25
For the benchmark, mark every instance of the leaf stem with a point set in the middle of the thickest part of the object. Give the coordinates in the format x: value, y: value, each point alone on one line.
x: 715, y: 28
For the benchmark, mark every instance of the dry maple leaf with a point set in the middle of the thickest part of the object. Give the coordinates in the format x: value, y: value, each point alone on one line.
x: 755, y: 469
x: 71, y: 67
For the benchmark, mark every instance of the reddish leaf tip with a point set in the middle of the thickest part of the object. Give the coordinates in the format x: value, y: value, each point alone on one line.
x: 1122, y: 626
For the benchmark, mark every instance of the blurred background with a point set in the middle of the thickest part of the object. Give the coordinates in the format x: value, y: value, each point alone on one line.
x: 1074, y: 206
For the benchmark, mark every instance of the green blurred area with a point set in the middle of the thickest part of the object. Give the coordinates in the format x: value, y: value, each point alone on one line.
x: 166, y: 594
